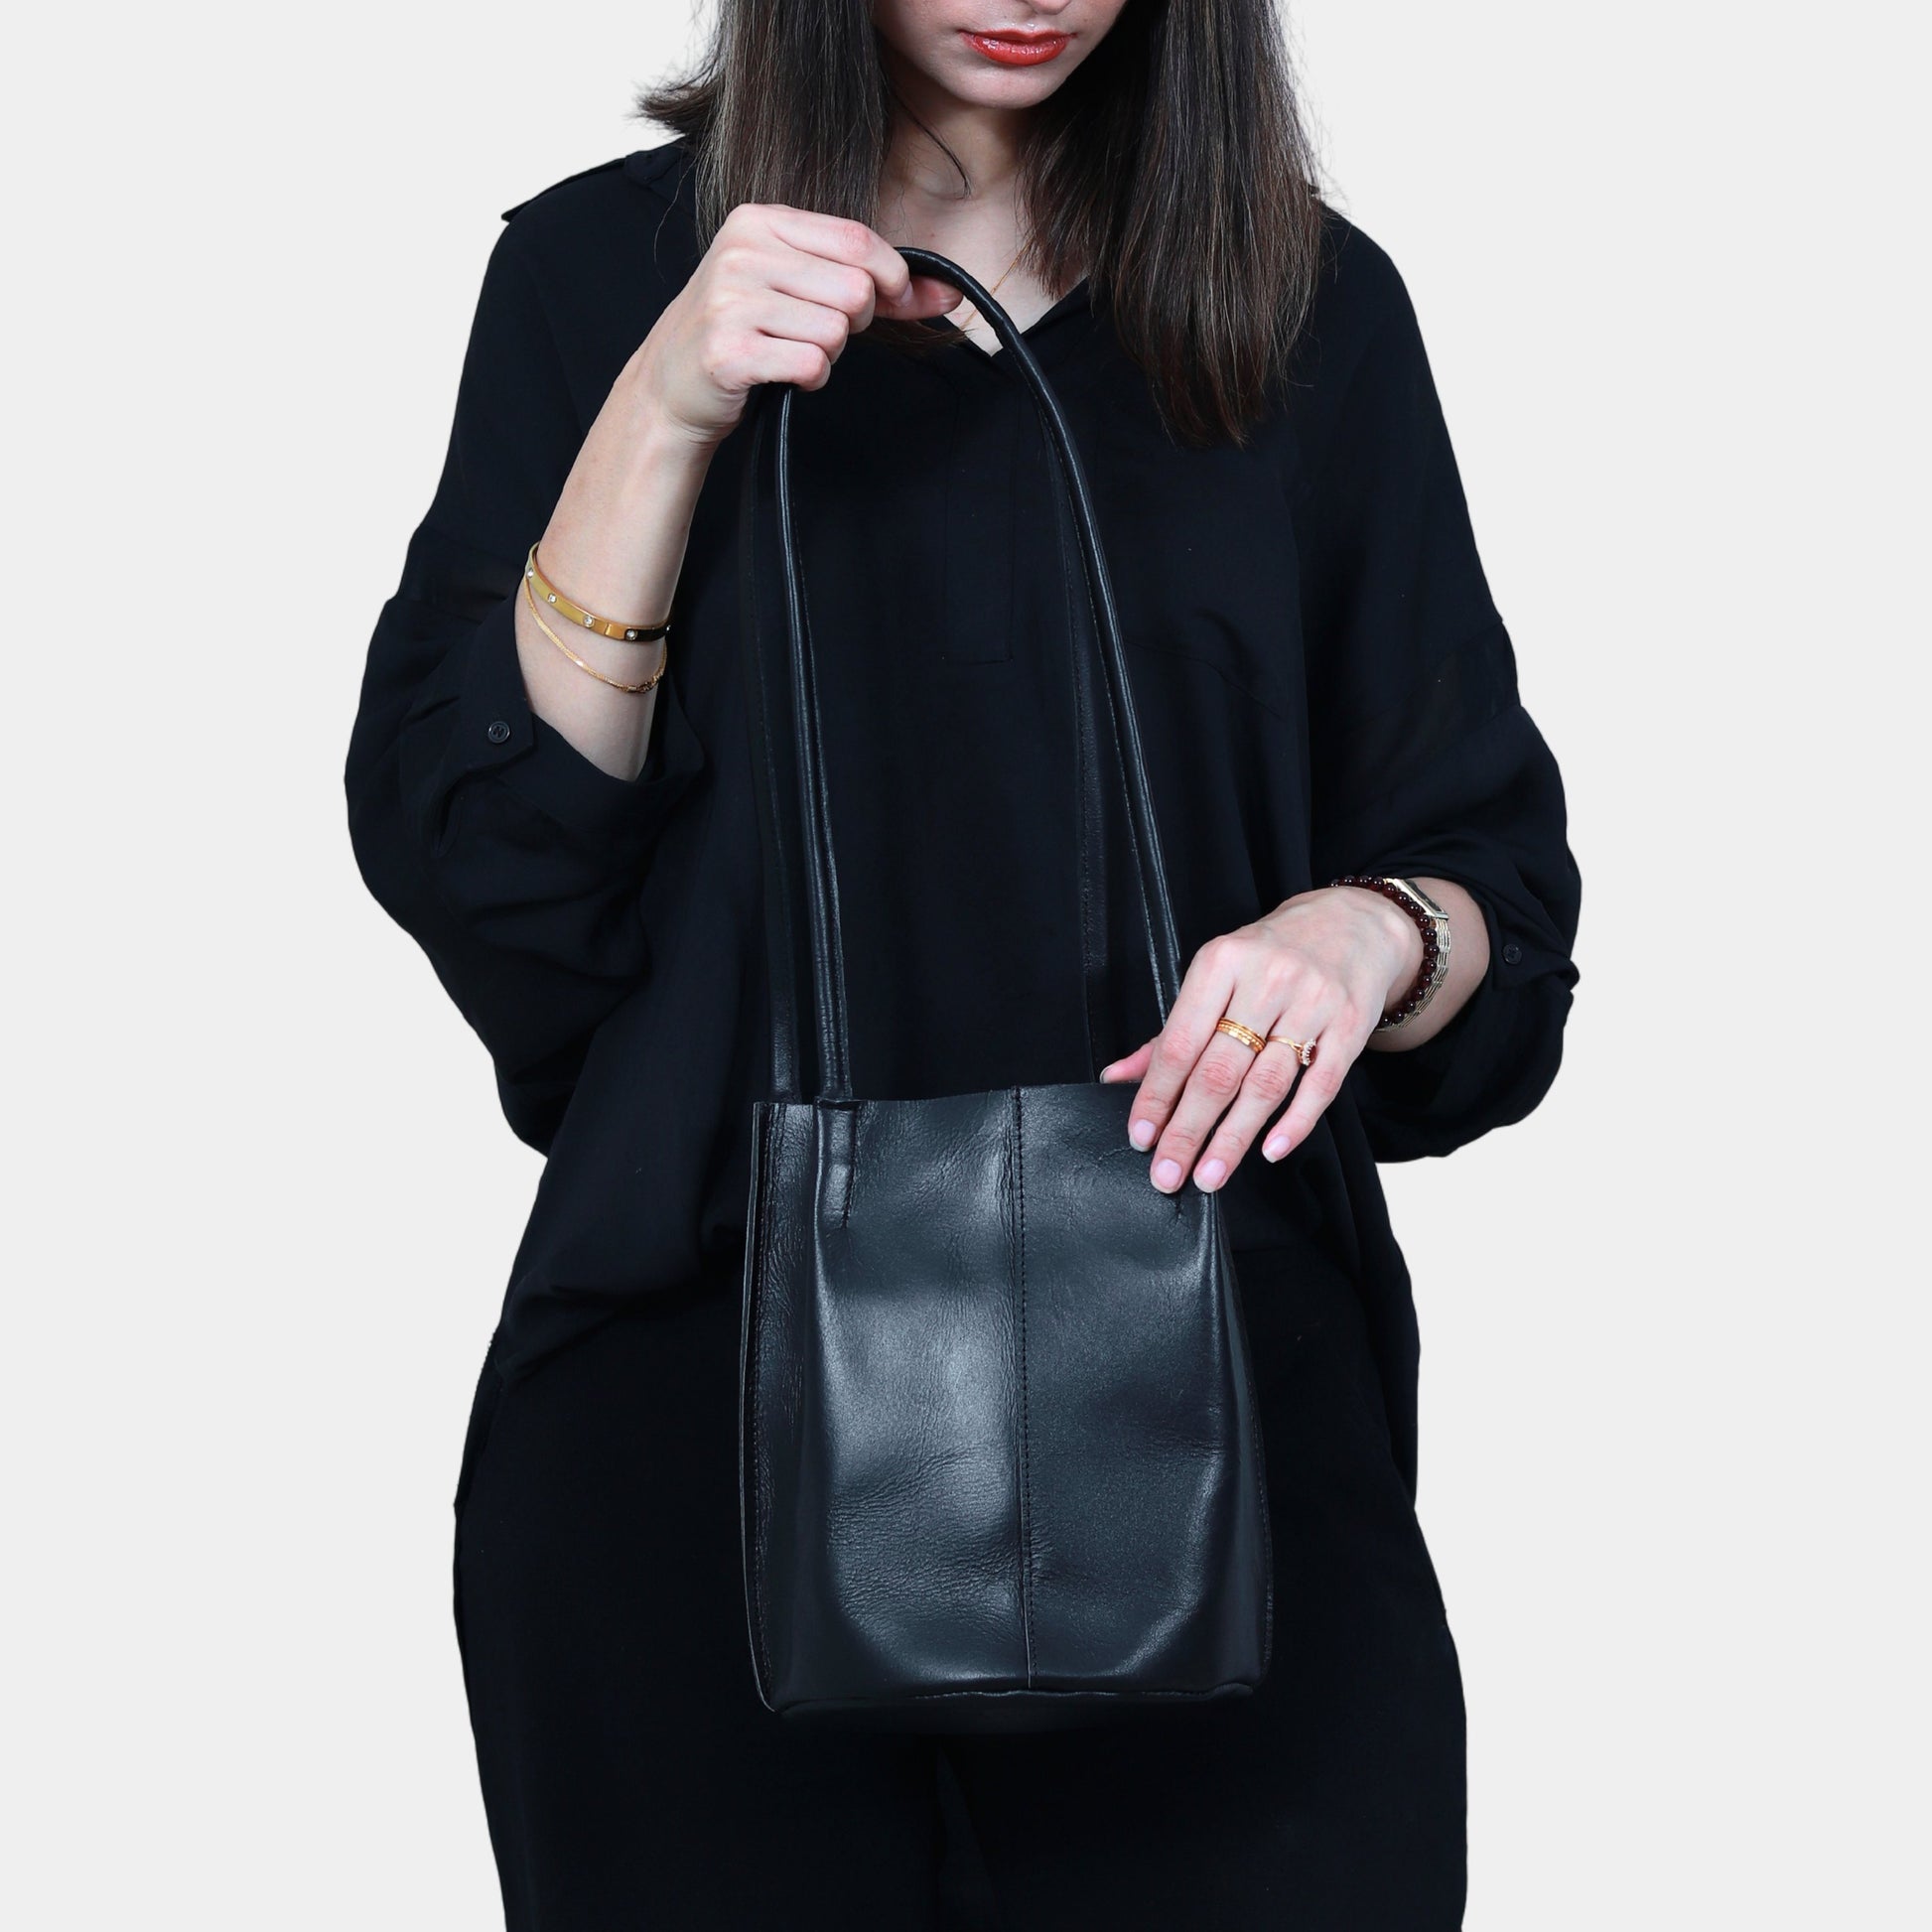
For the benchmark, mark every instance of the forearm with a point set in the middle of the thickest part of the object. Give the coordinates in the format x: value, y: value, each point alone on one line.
x: 615, y: 545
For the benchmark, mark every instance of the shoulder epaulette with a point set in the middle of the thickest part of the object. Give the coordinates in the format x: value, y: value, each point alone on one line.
x: 599, y: 168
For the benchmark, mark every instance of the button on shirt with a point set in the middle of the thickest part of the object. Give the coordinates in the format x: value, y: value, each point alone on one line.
x: 1321, y: 683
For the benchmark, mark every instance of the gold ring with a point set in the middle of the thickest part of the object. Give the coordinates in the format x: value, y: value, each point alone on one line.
x: 1247, y: 1035
x: 1303, y: 1049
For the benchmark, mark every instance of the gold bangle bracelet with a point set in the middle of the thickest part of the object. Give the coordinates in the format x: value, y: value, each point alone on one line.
x: 623, y: 634
x: 613, y: 683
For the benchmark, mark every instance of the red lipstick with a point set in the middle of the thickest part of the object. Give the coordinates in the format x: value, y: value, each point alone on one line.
x: 1012, y: 48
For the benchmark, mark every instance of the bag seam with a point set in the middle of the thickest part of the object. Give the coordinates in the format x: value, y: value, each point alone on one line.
x: 1259, y: 1450
x: 1026, y: 1446
x: 755, y: 1406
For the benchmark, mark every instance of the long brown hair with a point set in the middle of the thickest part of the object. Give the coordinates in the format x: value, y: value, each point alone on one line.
x: 1172, y: 169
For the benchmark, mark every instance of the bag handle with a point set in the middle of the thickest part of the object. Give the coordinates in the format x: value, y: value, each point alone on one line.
x: 791, y: 765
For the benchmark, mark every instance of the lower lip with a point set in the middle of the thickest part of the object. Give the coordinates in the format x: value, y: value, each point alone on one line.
x: 1017, y: 54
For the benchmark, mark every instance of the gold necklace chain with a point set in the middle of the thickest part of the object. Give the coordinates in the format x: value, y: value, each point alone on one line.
x: 994, y: 288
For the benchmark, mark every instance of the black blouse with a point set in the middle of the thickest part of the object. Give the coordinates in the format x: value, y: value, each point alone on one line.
x: 1322, y: 680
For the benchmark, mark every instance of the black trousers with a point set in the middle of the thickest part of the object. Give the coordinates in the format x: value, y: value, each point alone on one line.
x: 632, y: 1779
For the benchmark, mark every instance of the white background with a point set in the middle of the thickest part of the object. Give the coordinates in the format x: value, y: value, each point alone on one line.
x: 262, y: 1202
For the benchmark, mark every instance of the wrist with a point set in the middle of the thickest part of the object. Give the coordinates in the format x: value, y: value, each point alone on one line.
x: 1431, y: 922
x: 1400, y: 936
x: 654, y: 430
x: 662, y: 451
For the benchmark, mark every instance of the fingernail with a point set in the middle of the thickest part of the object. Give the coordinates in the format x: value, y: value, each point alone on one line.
x: 1142, y: 1133
x: 1167, y: 1174
x: 1276, y: 1148
x: 1210, y: 1174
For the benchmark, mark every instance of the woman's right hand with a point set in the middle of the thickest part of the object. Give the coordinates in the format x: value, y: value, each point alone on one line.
x: 776, y: 298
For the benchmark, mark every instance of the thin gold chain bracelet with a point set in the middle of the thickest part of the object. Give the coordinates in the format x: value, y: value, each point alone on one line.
x: 614, y: 683
x: 623, y: 634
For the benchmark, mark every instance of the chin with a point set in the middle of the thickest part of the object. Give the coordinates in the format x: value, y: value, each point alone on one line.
x: 982, y: 86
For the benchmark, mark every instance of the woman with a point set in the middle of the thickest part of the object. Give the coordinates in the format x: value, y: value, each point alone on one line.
x: 564, y: 820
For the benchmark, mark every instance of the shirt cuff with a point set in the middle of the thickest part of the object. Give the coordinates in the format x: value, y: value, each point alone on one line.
x: 1490, y: 1064
x: 498, y: 733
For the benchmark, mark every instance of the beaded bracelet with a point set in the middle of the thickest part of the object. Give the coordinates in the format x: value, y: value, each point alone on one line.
x: 1433, y: 925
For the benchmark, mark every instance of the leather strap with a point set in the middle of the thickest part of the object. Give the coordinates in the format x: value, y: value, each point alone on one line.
x: 790, y: 767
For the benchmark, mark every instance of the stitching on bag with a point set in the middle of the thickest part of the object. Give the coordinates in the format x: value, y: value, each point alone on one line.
x: 1026, y: 1454
x: 1256, y: 1446
x: 761, y: 1519
x: 754, y: 1393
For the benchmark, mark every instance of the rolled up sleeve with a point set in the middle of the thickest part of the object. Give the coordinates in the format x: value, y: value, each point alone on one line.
x: 1486, y: 813
x: 1424, y: 759
x: 513, y: 861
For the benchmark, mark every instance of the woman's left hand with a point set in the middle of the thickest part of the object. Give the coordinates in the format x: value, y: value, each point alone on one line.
x: 1322, y: 968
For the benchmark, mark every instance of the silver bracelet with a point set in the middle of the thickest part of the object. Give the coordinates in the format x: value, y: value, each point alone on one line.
x: 1433, y: 925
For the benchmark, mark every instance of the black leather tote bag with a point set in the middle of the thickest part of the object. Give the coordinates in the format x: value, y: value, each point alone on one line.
x: 998, y: 1454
